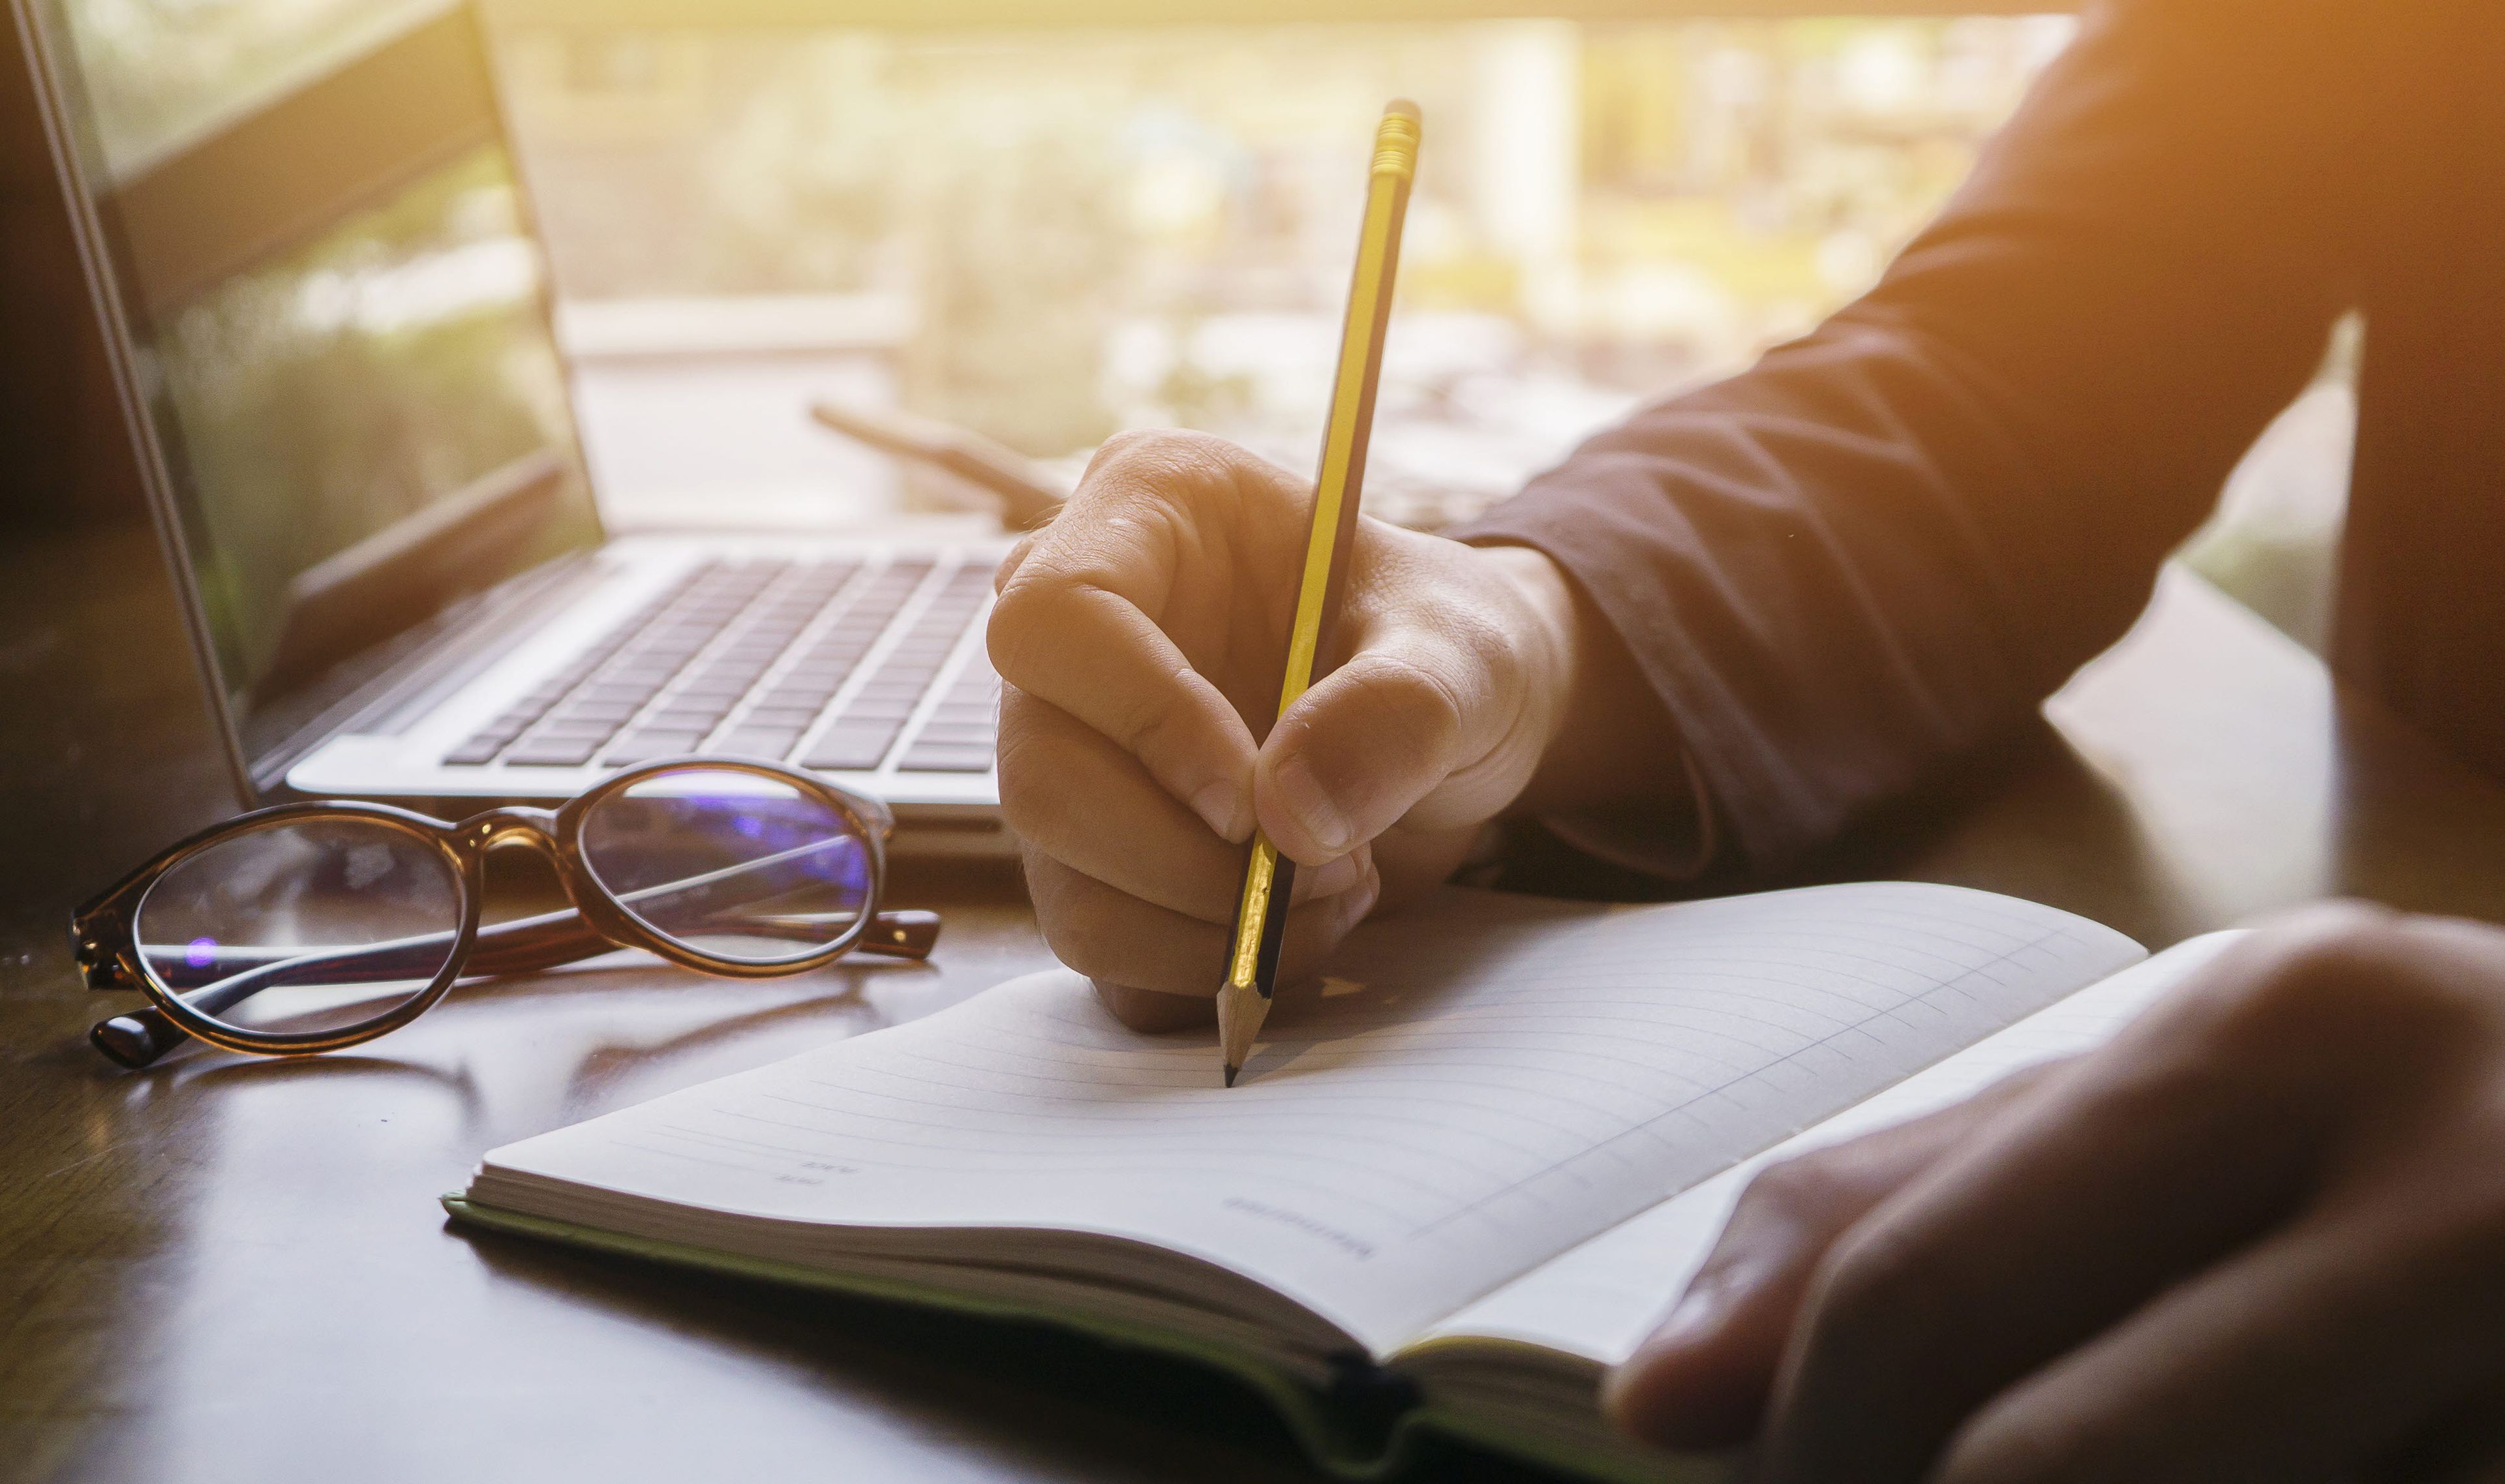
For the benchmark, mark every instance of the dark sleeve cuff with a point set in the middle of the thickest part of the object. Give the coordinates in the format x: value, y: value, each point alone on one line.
x: 1733, y: 803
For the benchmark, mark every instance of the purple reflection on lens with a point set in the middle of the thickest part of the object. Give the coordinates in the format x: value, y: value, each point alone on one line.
x: 200, y: 952
x: 842, y: 862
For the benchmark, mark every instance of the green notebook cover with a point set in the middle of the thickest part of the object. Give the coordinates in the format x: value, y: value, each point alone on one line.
x: 1325, y: 1436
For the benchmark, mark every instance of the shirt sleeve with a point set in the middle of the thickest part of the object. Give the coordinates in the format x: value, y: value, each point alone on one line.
x: 1891, y: 540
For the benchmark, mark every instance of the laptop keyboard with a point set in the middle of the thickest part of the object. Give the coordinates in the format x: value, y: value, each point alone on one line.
x: 759, y: 660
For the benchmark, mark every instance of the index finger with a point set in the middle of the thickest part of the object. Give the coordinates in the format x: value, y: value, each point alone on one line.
x: 1075, y: 621
x: 1702, y: 1379
x: 2144, y: 1162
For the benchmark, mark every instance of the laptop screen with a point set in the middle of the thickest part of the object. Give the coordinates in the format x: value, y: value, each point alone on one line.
x: 335, y: 322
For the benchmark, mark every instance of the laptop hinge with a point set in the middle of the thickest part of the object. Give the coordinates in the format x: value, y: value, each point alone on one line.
x: 437, y: 658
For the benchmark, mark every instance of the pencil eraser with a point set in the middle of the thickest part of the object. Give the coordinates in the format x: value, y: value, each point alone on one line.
x: 1405, y: 109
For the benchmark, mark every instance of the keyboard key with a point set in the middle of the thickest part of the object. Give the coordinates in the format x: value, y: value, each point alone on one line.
x: 571, y: 728
x: 852, y: 748
x: 780, y: 716
x: 936, y: 757
x: 790, y: 692
x: 742, y: 618
x: 554, y: 752
x: 633, y: 693
x: 598, y: 711
x: 475, y: 752
x: 645, y: 746
x: 687, y: 718
x: 760, y: 741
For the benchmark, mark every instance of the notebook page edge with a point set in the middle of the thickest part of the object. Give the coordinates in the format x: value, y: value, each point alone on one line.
x: 1010, y: 1008
x: 1681, y: 1228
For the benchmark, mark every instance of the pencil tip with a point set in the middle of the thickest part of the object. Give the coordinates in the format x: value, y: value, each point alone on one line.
x: 1230, y: 1075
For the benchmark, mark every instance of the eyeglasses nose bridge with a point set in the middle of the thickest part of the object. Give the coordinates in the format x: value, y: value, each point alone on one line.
x: 534, y: 829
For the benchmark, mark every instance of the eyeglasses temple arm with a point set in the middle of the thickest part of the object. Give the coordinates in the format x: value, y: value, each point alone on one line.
x: 523, y: 945
x: 528, y: 945
x: 141, y: 1037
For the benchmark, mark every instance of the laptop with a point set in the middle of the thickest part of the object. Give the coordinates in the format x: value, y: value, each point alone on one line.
x: 328, y: 314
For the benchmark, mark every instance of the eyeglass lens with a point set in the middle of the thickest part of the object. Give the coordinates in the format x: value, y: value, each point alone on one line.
x: 301, y: 926
x: 737, y: 866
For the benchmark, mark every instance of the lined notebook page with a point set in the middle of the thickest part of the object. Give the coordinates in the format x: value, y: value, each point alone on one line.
x: 1600, y: 1299
x: 1493, y: 1080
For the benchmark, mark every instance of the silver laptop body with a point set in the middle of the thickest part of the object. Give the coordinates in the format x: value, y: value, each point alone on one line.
x: 327, y: 313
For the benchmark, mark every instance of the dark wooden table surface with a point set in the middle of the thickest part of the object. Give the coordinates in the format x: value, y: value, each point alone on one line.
x: 226, y: 1269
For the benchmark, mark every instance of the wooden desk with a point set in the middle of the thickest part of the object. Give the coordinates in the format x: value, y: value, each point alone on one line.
x: 234, y: 1269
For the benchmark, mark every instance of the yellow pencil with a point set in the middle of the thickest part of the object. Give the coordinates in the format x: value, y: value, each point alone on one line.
x: 1269, y: 879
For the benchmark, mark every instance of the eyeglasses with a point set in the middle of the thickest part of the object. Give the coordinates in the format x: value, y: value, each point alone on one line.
x: 316, y: 926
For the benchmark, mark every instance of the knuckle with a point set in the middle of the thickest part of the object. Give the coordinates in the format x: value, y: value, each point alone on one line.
x: 1169, y: 461
x: 1151, y: 1010
x: 1805, y: 1191
x: 1417, y: 707
x: 2019, y: 1445
x: 1037, y: 618
x: 2341, y: 974
x: 1128, y: 444
x: 1017, y: 555
x: 1076, y: 927
x: 1126, y: 459
x: 1020, y: 618
x: 1032, y: 798
x: 1876, y: 1292
x: 1071, y: 945
x: 1142, y: 721
x: 1126, y: 1005
x: 1102, y: 932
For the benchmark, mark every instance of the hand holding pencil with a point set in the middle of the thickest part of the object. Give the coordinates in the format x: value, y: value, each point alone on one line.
x: 1143, y: 737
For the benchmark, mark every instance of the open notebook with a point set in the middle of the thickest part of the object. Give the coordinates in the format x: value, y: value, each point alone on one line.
x: 1461, y: 1182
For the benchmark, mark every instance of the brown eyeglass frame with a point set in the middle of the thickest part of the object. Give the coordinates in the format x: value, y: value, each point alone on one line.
x: 105, y: 938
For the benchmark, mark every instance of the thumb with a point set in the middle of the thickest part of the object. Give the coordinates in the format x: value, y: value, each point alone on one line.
x: 1407, y: 719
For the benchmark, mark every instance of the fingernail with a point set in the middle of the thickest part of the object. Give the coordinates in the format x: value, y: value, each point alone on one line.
x: 1311, y: 806
x: 1224, y: 809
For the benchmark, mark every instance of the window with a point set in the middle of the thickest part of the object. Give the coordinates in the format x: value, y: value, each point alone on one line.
x: 1053, y: 234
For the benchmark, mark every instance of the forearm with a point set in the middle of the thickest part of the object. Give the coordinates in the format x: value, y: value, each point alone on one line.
x: 1886, y: 542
